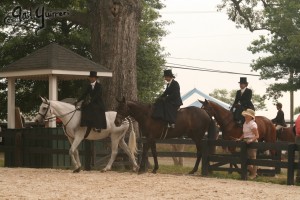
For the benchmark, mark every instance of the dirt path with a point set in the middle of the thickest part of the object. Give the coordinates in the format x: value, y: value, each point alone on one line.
x: 24, y: 183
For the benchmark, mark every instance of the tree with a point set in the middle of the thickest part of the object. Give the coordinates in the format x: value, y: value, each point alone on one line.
x: 280, y: 48
x: 150, y: 58
x: 229, y: 96
x: 111, y: 40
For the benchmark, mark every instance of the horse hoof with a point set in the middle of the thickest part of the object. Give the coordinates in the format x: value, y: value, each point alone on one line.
x: 154, y: 172
x: 192, y: 172
x: 141, y: 171
x: 105, y: 170
x: 77, y: 170
x: 135, y: 169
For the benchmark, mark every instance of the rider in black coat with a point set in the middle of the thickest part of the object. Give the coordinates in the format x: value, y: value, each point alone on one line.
x: 92, y: 108
x: 242, y: 101
x: 279, y: 119
x: 168, y: 103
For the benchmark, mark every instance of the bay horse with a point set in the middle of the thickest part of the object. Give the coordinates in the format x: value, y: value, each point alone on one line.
x: 230, y: 131
x: 192, y: 122
x: 286, y: 134
x: 70, y: 117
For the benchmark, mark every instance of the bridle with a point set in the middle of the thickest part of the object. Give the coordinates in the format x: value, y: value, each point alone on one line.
x: 54, y: 117
x: 124, y: 110
x: 209, y: 112
x: 124, y: 118
x: 44, y: 115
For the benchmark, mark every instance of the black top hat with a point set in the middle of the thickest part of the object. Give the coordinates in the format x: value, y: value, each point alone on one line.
x: 169, y: 73
x: 243, y: 80
x: 93, y: 74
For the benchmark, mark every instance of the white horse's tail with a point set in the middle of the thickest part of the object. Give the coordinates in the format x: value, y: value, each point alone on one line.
x: 132, y: 139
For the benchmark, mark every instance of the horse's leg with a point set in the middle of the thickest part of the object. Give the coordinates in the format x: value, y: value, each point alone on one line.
x: 115, y: 139
x: 175, y: 159
x: 74, y: 153
x: 181, y: 149
x: 74, y: 158
x: 199, y: 156
x: 154, y: 154
x: 177, y: 148
x: 146, y: 147
x: 124, y: 146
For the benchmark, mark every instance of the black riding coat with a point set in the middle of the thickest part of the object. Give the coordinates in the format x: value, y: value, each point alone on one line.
x: 166, y: 106
x: 93, y: 109
x: 242, y: 102
x: 279, y: 119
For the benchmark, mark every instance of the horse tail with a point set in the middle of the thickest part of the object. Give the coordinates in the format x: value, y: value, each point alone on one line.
x: 132, y: 139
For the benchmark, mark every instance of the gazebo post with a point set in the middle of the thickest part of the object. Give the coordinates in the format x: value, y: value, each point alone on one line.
x: 52, y: 94
x: 11, y: 97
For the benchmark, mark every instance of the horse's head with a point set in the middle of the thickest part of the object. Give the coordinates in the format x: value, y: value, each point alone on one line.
x: 122, y: 111
x: 44, y: 111
x: 206, y: 105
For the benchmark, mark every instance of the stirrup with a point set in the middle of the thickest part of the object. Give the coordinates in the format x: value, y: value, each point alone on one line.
x: 97, y: 130
x: 171, y: 125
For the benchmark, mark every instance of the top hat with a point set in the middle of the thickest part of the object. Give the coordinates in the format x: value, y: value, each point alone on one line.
x: 93, y: 74
x: 169, y: 73
x: 243, y: 80
x: 249, y: 112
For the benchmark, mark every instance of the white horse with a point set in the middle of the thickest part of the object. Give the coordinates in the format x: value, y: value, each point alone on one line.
x: 70, y: 118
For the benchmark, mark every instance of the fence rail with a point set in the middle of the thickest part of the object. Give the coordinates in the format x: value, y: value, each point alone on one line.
x: 40, y: 147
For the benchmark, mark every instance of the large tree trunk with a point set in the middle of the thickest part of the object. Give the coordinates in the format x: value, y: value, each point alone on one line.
x: 114, y: 35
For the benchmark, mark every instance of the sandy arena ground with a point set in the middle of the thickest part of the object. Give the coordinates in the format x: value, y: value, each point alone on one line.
x: 24, y: 183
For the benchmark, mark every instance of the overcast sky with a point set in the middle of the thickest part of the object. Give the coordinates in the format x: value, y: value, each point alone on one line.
x: 204, y: 38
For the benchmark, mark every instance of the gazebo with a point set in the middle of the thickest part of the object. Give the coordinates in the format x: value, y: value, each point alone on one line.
x: 52, y: 62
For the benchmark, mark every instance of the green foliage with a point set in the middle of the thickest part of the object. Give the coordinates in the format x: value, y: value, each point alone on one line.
x: 150, y: 58
x: 229, y: 96
x: 19, y: 41
x: 280, y: 48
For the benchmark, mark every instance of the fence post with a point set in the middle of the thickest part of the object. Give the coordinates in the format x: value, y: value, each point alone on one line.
x: 18, y: 150
x: 278, y: 155
x: 205, y: 160
x: 244, y: 159
x: 291, y: 161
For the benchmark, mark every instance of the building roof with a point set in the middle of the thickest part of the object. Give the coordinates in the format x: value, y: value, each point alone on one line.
x: 191, y: 99
x: 53, y: 59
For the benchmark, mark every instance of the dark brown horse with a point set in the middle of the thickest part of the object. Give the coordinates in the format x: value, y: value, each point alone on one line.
x: 192, y: 122
x: 286, y: 134
x: 230, y: 130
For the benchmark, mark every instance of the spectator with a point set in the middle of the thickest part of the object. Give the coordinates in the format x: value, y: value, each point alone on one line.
x: 250, y: 134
